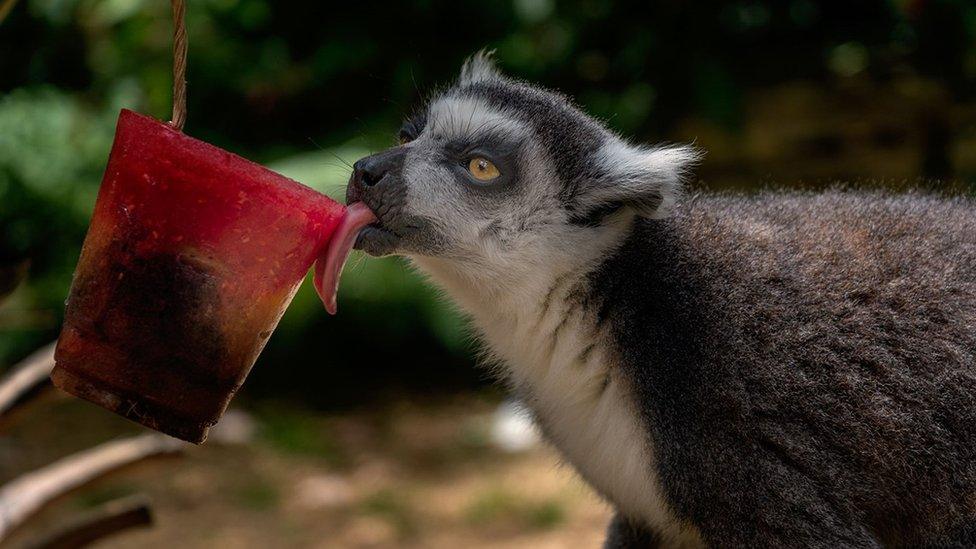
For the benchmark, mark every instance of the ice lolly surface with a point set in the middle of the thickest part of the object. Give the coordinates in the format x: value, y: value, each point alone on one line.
x: 191, y: 258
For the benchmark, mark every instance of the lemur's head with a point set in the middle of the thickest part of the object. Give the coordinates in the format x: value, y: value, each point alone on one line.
x: 493, y: 171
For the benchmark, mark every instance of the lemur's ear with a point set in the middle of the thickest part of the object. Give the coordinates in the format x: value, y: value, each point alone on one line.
x: 646, y: 180
x: 479, y: 68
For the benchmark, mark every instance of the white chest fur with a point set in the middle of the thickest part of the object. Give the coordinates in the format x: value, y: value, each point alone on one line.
x: 550, y: 348
x: 561, y: 365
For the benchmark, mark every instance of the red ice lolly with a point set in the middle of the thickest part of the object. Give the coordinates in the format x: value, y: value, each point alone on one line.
x: 190, y: 260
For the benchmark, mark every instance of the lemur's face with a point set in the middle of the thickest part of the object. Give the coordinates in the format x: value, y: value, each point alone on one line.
x: 494, y: 166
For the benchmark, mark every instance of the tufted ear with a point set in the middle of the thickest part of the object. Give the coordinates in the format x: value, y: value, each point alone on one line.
x: 647, y: 180
x: 479, y: 67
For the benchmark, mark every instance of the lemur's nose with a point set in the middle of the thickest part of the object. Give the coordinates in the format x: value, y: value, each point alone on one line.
x: 370, y: 170
x: 365, y: 176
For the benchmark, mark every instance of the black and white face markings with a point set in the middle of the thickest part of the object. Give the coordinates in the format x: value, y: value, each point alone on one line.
x: 494, y: 165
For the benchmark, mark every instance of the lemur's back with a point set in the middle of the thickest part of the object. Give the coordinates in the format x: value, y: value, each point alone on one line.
x: 811, y: 358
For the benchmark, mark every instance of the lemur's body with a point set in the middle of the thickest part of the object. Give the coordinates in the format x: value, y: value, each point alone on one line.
x: 782, y: 370
x: 805, y: 365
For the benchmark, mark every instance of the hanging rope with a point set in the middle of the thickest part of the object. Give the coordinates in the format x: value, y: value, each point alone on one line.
x: 179, y: 65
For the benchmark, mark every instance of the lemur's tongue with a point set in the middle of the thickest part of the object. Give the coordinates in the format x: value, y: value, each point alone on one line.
x: 329, y: 266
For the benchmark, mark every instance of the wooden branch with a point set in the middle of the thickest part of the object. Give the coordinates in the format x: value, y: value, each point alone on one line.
x: 26, y: 494
x: 105, y: 520
x: 29, y: 374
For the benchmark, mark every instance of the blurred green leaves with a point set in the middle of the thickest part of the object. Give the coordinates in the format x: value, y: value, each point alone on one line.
x: 51, y: 157
x: 500, y: 506
x: 48, y: 143
x: 294, y: 431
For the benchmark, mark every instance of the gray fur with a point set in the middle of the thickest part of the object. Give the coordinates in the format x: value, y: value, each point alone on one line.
x: 780, y: 370
x: 806, y: 364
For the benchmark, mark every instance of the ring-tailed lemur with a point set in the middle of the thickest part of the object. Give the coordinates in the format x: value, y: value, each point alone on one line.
x: 779, y: 370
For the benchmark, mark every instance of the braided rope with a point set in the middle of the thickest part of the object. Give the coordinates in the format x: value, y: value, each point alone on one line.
x: 179, y: 65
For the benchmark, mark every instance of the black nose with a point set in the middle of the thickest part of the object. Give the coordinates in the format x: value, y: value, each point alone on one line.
x: 371, y: 170
x: 367, y: 176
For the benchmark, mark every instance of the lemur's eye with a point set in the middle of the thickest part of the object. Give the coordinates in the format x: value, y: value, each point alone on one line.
x: 483, y: 169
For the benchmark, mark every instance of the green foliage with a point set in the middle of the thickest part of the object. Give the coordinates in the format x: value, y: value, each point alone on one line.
x: 52, y: 150
x: 499, y: 506
x: 257, y: 495
x: 394, y: 508
x: 545, y: 515
x: 293, y: 431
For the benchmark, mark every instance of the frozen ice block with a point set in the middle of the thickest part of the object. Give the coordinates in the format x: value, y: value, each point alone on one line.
x: 191, y: 258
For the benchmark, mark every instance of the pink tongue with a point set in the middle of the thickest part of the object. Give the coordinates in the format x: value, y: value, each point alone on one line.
x: 328, y: 267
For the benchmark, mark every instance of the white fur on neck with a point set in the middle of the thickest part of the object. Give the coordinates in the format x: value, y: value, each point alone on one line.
x: 584, y: 408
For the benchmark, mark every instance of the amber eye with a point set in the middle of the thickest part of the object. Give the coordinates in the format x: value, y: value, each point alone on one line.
x: 482, y: 169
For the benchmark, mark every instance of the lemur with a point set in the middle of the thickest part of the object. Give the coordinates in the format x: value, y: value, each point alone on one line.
x: 784, y: 369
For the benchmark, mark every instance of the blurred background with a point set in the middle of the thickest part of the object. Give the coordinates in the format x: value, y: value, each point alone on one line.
x: 408, y: 446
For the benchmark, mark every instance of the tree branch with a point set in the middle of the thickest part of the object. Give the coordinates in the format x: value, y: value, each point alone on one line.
x: 26, y: 376
x: 26, y: 494
x: 105, y: 520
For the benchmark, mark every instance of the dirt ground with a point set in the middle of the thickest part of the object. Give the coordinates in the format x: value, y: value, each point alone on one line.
x: 407, y: 476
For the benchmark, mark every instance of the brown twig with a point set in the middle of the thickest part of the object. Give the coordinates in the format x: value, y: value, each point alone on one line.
x: 29, y: 374
x: 105, y: 520
x: 27, y: 494
x: 179, y: 65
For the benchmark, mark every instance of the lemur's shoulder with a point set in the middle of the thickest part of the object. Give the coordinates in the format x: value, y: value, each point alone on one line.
x: 806, y: 217
x: 726, y: 274
x: 778, y: 344
x: 831, y: 241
